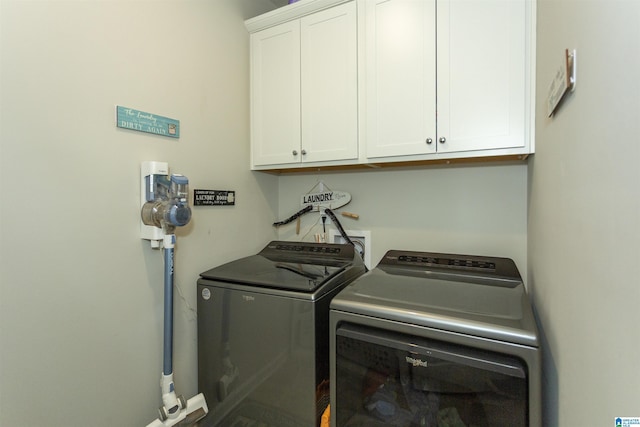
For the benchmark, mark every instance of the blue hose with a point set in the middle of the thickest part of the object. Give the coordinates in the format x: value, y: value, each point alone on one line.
x: 168, y: 311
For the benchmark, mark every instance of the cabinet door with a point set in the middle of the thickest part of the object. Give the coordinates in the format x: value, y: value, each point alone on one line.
x: 481, y: 74
x: 400, y: 77
x: 329, y: 84
x: 275, y: 95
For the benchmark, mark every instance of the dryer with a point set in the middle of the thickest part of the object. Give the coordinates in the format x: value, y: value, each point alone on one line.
x: 263, y: 333
x: 428, y: 339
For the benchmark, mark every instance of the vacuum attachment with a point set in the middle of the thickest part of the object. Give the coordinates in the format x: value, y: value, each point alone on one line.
x: 190, y: 412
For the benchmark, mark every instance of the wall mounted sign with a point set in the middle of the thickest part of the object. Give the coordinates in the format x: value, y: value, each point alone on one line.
x: 214, y: 198
x: 563, y: 81
x: 328, y: 199
x: 128, y: 118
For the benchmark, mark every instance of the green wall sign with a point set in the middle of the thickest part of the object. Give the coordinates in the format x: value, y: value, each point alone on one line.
x: 128, y: 118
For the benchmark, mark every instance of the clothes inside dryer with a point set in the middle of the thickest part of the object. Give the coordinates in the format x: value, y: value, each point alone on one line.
x: 390, y: 379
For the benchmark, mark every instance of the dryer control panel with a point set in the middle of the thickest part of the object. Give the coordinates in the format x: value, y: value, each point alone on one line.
x: 481, y: 266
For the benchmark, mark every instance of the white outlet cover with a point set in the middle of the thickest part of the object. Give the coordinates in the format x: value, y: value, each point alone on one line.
x: 360, y: 235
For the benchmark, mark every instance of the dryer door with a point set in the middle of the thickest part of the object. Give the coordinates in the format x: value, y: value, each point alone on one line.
x: 386, y: 378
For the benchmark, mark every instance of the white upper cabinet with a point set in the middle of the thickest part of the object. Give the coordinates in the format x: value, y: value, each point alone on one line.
x: 330, y: 84
x: 446, y: 76
x: 356, y: 82
x: 304, y: 98
x: 401, y: 77
x: 275, y: 94
x: 482, y: 65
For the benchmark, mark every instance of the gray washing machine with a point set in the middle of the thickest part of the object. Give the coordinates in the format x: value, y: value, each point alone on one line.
x: 263, y: 333
x: 429, y: 339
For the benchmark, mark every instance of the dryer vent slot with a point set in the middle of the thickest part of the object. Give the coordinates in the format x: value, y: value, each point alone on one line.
x: 453, y: 263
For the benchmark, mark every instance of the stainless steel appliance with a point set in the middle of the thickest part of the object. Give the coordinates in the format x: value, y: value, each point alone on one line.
x: 263, y: 333
x: 429, y: 339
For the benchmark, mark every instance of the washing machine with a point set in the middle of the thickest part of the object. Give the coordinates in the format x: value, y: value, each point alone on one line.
x: 431, y: 339
x: 263, y: 333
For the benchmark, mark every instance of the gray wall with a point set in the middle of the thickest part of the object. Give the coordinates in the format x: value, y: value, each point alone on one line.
x: 477, y: 210
x: 584, y: 213
x: 80, y: 292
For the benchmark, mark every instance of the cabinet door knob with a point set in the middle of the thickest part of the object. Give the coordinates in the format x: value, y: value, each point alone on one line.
x: 442, y: 140
x: 429, y: 141
x: 304, y: 152
x: 294, y: 152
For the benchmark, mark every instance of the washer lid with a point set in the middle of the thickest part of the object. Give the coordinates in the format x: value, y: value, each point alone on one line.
x: 478, y: 304
x: 287, y: 265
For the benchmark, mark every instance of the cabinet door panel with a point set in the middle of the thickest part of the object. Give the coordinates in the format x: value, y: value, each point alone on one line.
x: 400, y: 77
x: 481, y: 74
x: 275, y: 94
x: 329, y: 84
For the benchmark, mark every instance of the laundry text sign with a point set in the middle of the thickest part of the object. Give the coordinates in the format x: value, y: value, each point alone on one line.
x: 329, y: 199
x: 214, y: 198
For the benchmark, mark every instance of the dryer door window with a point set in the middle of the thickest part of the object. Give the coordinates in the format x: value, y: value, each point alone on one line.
x: 389, y: 379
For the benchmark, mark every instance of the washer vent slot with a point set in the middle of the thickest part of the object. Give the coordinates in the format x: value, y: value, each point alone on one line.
x: 312, y: 249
